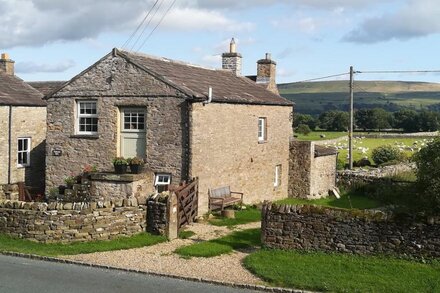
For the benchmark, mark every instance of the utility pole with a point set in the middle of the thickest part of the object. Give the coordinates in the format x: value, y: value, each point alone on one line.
x: 350, y: 131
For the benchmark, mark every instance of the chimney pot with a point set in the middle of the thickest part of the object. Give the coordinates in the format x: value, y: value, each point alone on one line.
x: 268, y: 56
x: 5, y: 56
x: 232, y: 46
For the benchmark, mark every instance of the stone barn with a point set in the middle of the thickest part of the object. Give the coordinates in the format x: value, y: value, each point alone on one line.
x: 185, y: 121
x: 312, y: 169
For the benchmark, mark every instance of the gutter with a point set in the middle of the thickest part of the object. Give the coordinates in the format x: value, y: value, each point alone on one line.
x: 9, y: 142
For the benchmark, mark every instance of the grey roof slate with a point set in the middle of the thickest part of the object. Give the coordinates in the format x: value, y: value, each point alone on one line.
x: 16, y: 92
x: 195, y: 81
x: 321, y: 151
x: 46, y: 87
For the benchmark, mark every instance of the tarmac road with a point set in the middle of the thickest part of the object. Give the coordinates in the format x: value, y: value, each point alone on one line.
x: 19, y: 274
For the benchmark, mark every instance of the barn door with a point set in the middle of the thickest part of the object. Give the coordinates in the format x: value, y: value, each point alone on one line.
x: 133, y: 132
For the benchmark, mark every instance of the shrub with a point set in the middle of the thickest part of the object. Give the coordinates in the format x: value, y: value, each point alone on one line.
x: 303, y: 129
x: 386, y: 153
x: 428, y: 176
x: 340, y: 164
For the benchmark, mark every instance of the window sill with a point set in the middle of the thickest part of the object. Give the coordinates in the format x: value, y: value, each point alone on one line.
x: 86, y: 136
x: 262, y: 141
x: 23, y: 166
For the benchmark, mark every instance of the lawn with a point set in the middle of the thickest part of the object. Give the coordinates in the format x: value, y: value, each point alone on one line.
x: 343, y: 272
x: 248, y: 215
x: 234, y: 241
x: 316, y: 135
x: 347, y: 201
x: 10, y: 244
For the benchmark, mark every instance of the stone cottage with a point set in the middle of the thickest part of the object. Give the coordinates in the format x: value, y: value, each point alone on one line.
x: 186, y: 121
x: 22, y: 132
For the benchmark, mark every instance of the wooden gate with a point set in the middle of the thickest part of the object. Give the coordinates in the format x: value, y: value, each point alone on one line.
x: 187, y: 198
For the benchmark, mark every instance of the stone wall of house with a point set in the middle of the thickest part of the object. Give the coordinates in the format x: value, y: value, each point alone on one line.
x: 26, y: 122
x: 114, y: 83
x: 323, y: 175
x: 361, y: 232
x: 310, y: 176
x: 70, y: 222
x: 225, y: 150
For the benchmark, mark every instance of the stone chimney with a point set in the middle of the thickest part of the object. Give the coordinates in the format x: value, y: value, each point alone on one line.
x: 266, y: 70
x: 232, y: 60
x: 6, y: 64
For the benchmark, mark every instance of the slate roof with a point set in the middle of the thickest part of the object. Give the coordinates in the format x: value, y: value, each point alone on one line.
x: 321, y: 151
x: 46, y: 87
x: 16, y: 92
x: 195, y: 80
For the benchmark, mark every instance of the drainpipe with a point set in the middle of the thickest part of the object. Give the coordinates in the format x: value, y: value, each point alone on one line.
x: 9, y: 143
x: 209, y: 96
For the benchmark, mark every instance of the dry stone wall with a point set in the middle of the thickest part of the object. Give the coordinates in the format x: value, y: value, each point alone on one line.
x: 71, y: 222
x: 361, y: 232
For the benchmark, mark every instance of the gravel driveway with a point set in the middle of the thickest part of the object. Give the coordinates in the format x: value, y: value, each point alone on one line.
x: 160, y: 258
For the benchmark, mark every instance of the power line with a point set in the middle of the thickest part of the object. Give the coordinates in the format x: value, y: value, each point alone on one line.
x: 148, y: 23
x: 139, y: 26
x: 324, y: 77
x: 400, y: 71
x: 160, y: 21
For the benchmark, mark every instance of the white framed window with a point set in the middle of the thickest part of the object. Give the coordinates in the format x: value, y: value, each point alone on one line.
x: 87, y: 117
x: 162, y: 181
x: 262, y: 129
x: 277, y: 179
x: 133, y: 120
x: 24, y: 151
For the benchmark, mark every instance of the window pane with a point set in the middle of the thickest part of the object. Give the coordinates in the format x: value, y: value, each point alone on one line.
x: 20, y: 145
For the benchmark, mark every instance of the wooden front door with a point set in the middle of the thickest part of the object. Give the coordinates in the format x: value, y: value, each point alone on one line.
x: 133, y: 132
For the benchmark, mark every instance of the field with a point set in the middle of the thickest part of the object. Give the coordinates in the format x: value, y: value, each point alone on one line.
x: 362, y: 147
x: 317, y: 97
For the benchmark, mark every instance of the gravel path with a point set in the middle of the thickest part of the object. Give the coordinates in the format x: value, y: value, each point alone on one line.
x: 160, y: 258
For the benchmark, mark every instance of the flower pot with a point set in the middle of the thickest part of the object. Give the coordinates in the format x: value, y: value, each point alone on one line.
x: 136, y: 169
x: 120, y: 169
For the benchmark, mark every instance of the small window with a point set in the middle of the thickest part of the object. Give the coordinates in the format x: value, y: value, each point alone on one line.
x: 277, y: 179
x: 162, y: 181
x: 134, y: 120
x: 24, y: 152
x: 262, y: 129
x: 87, y: 117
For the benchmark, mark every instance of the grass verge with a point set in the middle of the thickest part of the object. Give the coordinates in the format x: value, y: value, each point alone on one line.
x: 234, y: 241
x: 11, y: 244
x: 250, y: 214
x: 347, y: 201
x: 343, y: 273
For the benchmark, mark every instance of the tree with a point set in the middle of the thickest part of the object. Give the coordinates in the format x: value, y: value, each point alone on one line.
x: 305, y: 119
x: 406, y: 119
x: 376, y: 118
x: 428, y: 176
x: 303, y: 129
x: 429, y: 121
x: 334, y: 120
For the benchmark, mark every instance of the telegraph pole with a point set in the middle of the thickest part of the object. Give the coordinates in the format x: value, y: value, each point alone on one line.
x: 350, y: 131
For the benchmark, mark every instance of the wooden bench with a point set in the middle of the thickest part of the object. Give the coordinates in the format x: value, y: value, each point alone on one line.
x: 222, y: 197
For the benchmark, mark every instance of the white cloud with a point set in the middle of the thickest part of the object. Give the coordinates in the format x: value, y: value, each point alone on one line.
x: 417, y: 18
x: 32, y: 67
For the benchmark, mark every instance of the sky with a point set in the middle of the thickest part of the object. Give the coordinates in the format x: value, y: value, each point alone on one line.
x: 57, y: 39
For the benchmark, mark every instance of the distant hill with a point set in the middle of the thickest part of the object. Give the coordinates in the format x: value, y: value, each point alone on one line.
x: 317, y: 97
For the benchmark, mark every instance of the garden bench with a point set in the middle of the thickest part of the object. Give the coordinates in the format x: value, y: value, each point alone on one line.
x: 222, y: 197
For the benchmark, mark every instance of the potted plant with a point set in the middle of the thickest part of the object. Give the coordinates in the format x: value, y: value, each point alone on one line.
x: 70, y: 180
x: 120, y: 164
x: 136, y: 164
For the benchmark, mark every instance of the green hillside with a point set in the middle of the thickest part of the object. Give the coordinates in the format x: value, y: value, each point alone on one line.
x: 317, y: 97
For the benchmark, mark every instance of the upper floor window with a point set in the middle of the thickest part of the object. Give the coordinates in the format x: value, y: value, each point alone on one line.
x: 262, y: 129
x: 87, y: 117
x: 24, y: 152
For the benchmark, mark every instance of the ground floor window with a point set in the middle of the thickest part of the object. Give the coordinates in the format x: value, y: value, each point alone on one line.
x: 162, y: 181
x: 24, y: 151
x: 277, y: 179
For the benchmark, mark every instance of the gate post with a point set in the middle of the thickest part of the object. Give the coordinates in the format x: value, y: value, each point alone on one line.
x: 172, y: 211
